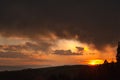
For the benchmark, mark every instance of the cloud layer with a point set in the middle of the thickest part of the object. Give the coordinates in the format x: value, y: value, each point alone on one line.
x: 91, y: 21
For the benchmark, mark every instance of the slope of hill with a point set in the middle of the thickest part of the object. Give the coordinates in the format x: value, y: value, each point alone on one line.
x: 11, y: 68
x: 76, y: 72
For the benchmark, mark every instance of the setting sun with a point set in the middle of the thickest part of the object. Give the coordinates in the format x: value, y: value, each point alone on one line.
x: 86, y: 48
x: 95, y: 62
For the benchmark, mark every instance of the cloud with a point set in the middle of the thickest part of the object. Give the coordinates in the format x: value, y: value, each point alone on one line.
x: 80, y: 48
x: 34, y: 46
x: 28, y: 50
x: 12, y: 55
x: 38, y: 46
x: 94, y: 22
x: 63, y: 52
x: 66, y: 52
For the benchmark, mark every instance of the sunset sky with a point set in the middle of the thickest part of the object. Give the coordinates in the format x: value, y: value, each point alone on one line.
x: 58, y: 32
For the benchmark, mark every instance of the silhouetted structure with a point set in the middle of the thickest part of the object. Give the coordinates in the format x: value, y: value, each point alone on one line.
x: 118, y: 53
x: 105, y: 62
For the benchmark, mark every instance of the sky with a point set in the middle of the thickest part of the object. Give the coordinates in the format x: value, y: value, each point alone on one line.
x: 58, y: 32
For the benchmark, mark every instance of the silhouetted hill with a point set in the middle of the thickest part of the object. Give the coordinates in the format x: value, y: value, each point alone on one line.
x: 11, y: 68
x: 76, y: 72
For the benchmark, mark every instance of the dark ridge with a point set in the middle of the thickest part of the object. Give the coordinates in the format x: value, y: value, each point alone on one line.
x: 76, y: 72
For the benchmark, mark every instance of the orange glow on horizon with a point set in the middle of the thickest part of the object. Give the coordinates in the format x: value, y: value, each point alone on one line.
x: 33, y: 52
x: 95, y: 62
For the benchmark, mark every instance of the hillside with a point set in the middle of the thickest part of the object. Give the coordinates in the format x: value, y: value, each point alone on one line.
x: 76, y: 72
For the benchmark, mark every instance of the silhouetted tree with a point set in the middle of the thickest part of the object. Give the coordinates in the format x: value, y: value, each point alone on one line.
x: 105, y: 62
x: 118, y: 53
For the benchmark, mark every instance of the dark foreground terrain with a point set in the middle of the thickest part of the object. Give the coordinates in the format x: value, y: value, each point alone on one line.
x: 76, y: 72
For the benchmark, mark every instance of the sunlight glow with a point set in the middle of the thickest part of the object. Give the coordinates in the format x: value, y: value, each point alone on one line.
x: 95, y: 62
x: 86, y: 49
x: 65, y: 44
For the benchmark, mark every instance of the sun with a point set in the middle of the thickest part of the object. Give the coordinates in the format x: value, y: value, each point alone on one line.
x: 86, y: 49
x: 95, y: 62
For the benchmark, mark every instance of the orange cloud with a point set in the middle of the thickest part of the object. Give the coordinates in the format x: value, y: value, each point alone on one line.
x: 55, y: 51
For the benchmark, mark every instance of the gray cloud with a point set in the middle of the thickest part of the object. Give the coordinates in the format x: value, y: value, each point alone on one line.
x: 66, y: 52
x: 63, y: 52
x: 34, y: 46
x: 38, y: 46
x: 12, y: 55
x: 19, y: 51
x: 93, y: 21
x: 80, y: 49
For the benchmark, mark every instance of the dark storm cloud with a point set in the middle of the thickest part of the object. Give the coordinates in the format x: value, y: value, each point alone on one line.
x: 93, y: 21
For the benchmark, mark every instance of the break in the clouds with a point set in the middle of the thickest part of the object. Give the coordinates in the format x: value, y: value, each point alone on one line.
x: 91, y: 21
